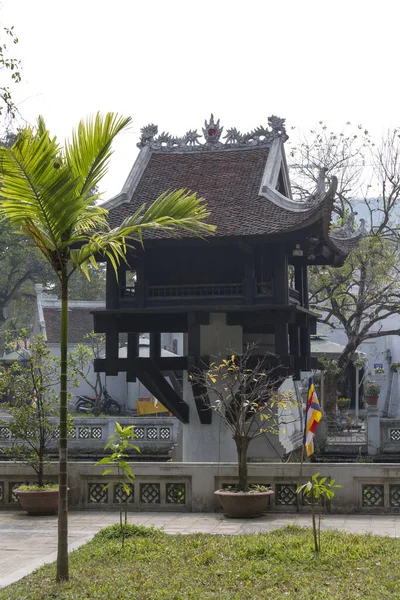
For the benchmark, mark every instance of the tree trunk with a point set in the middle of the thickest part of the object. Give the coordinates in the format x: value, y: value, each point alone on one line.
x: 242, y: 445
x: 62, y: 555
x: 331, y: 381
x: 40, y: 473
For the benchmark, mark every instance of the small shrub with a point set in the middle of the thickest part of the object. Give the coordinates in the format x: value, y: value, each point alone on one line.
x: 37, y: 488
x: 372, y: 389
x: 113, y: 532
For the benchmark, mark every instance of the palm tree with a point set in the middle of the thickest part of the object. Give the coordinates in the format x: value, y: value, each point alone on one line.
x: 47, y: 194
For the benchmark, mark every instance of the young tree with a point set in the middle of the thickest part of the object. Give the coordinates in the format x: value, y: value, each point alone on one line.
x: 242, y: 391
x: 31, y: 383
x: 359, y: 296
x: 47, y: 195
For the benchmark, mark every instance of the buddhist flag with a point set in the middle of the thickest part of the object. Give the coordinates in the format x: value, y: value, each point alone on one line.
x: 313, y: 417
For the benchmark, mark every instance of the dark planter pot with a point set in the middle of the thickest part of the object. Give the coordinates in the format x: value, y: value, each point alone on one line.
x: 244, y: 505
x: 43, y: 502
x: 371, y: 400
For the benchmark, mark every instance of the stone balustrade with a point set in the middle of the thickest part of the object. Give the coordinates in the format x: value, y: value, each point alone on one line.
x: 366, y: 487
x: 89, y: 435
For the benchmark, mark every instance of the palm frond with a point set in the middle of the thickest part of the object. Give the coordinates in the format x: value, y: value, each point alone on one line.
x: 32, y: 188
x: 177, y: 211
x: 89, y: 151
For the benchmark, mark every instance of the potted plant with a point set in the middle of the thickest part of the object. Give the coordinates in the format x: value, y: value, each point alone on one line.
x: 32, y: 383
x: 343, y: 404
x: 371, y: 393
x: 242, y: 390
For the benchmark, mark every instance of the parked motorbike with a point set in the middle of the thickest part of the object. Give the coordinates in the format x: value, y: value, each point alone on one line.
x: 107, y: 404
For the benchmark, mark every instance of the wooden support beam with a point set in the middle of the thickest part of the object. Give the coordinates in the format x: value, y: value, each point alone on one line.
x: 124, y: 365
x: 176, y: 381
x: 138, y: 322
x: 259, y: 318
x: 202, y: 401
x: 152, y: 378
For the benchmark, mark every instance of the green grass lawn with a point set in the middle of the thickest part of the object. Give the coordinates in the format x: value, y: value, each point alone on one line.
x: 270, y: 566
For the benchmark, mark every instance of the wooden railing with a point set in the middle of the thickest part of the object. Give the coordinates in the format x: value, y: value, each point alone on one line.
x: 207, y: 290
x: 195, y: 290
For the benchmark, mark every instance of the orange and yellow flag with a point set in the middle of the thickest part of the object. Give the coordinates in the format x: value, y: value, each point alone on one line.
x: 313, y: 417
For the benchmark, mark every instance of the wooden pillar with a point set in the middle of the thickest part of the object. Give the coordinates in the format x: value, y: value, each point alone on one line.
x: 112, y: 349
x: 298, y: 281
x: 294, y: 339
x: 281, y: 275
x: 155, y: 345
x: 132, y: 352
x: 281, y: 339
x: 140, y: 288
x: 248, y: 281
x: 305, y: 287
x: 305, y: 344
x: 112, y: 287
x: 133, y: 345
x: 193, y: 340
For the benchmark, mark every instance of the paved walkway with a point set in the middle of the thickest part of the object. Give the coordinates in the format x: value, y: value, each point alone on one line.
x: 26, y: 542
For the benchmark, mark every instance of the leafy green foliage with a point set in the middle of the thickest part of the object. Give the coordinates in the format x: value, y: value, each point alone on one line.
x: 49, y: 194
x: 37, y: 488
x: 113, y: 532
x: 81, y: 359
x: 10, y: 69
x: 244, y: 394
x: 372, y: 389
x: 32, y: 383
x: 276, y: 565
x: 316, y: 489
x: 359, y: 296
x: 119, y: 444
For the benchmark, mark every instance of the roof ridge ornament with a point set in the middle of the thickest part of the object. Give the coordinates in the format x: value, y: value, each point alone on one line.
x: 212, y: 131
x: 346, y: 231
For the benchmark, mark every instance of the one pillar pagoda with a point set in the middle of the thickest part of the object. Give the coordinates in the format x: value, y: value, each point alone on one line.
x: 225, y: 291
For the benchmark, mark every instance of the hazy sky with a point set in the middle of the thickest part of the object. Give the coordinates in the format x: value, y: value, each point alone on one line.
x: 173, y: 62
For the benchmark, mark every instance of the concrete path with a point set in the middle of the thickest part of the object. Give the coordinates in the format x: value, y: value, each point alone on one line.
x: 26, y: 542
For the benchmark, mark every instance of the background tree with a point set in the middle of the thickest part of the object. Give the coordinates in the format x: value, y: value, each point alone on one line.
x: 32, y: 383
x: 81, y: 361
x: 46, y: 195
x: 359, y: 296
x: 10, y: 71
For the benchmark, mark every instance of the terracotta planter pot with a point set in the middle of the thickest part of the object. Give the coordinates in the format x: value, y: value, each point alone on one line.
x: 371, y: 400
x: 244, y: 505
x: 43, y: 502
